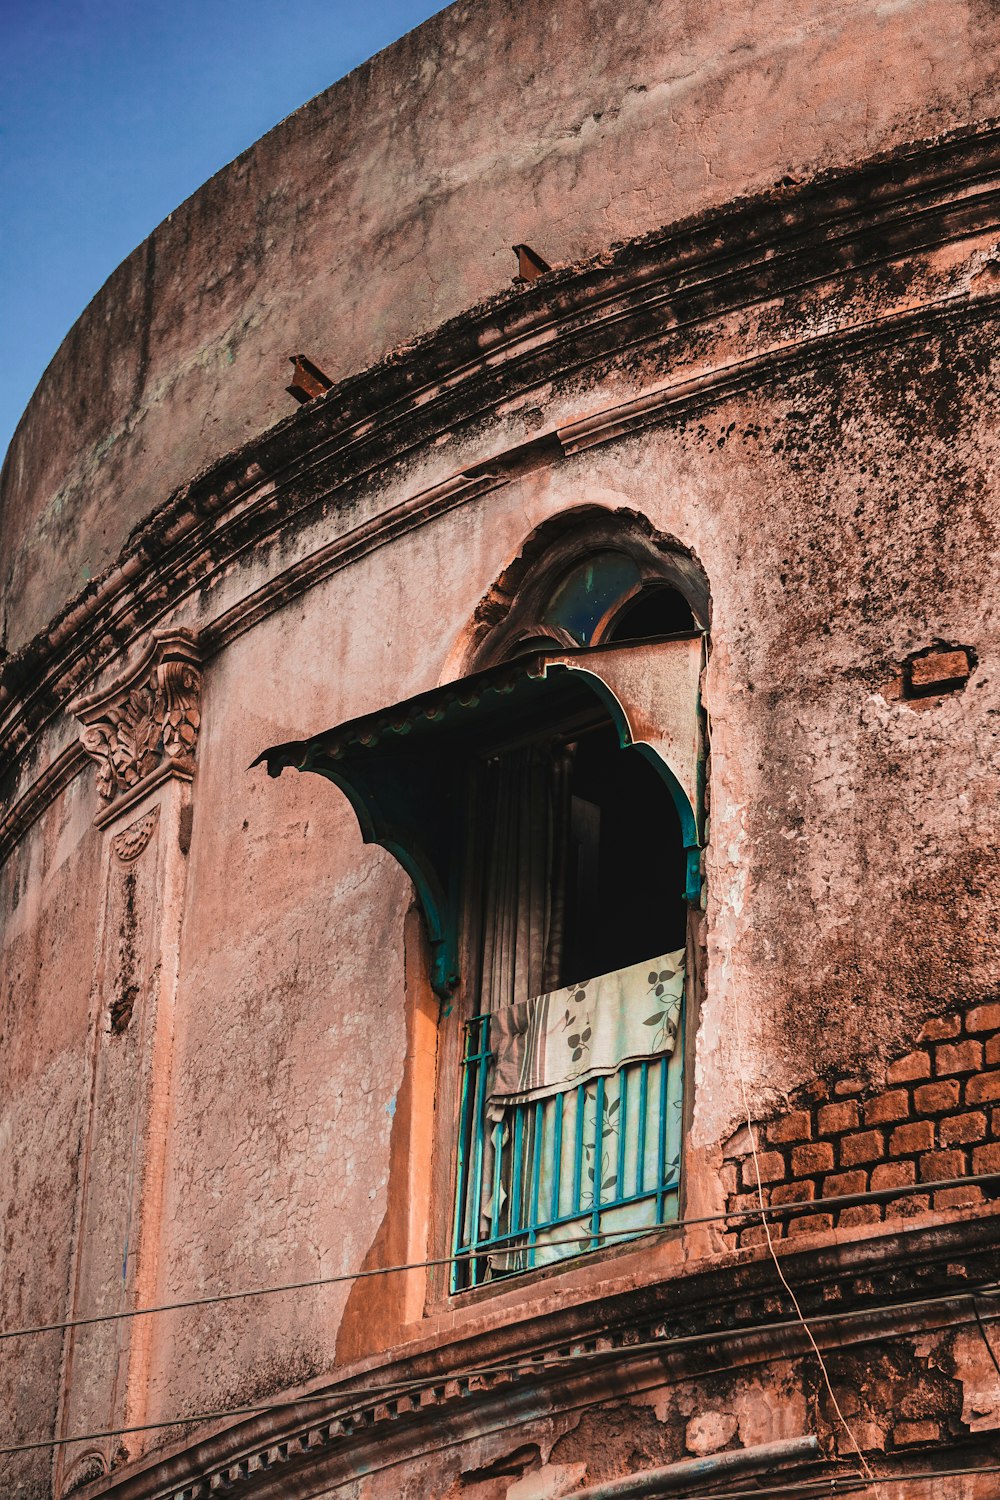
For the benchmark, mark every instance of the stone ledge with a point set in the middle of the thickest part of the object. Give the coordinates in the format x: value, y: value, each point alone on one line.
x: 732, y: 1304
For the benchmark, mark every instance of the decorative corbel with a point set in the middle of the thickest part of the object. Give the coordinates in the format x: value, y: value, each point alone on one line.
x: 144, y: 727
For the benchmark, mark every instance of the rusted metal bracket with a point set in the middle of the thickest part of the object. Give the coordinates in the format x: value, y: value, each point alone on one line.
x: 308, y: 380
x: 530, y: 264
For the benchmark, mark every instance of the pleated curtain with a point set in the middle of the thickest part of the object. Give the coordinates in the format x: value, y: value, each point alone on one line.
x: 525, y: 799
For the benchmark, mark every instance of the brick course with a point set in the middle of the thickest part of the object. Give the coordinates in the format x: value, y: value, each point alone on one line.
x: 770, y: 1165
x: 986, y: 1086
x: 835, y: 1118
x: 983, y: 1018
x: 940, y: 1028
x: 936, y: 1118
x: 908, y: 1069
x: 935, y: 1098
x: 807, y: 1160
x: 796, y: 1126
x: 909, y: 1138
x: 958, y: 1057
x: 867, y: 1145
x: 962, y: 1129
x: 936, y: 1166
x: 885, y: 1108
x: 986, y: 1158
x: 890, y: 1174
x: 842, y: 1183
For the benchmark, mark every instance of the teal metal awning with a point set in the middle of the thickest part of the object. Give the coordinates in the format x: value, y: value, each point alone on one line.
x: 403, y: 768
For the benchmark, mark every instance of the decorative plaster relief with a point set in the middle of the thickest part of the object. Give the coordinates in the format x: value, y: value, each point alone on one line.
x: 130, y: 843
x: 146, y: 720
x: 88, y: 1467
x: 119, y: 1210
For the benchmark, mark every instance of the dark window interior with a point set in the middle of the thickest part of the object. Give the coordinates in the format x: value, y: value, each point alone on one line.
x: 625, y: 876
x: 578, y: 860
x: 655, y: 611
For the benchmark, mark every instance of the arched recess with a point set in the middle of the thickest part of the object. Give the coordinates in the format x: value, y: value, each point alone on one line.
x: 601, y: 566
x: 547, y: 806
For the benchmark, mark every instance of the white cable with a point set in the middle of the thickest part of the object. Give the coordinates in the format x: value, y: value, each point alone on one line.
x: 751, y: 1129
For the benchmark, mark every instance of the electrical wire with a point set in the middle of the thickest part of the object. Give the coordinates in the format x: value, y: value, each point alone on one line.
x: 751, y: 1128
x: 985, y: 1337
x: 623, y: 1236
x: 529, y: 1365
x: 845, y: 1484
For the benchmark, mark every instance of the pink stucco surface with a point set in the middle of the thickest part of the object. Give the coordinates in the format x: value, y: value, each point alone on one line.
x: 817, y: 433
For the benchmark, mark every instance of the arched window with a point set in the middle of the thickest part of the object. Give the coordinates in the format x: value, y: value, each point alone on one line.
x: 577, y: 928
x: 655, y: 611
x: 547, y: 809
x: 591, y: 579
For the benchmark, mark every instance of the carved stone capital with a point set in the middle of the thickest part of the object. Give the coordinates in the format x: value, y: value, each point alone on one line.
x: 148, y: 719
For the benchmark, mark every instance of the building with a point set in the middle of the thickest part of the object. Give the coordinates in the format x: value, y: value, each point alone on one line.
x: 631, y: 595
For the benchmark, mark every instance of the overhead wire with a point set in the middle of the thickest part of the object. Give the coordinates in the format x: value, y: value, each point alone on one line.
x: 528, y: 1365
x: 621, y: 1236
x: 985, y: 1336
x: 752, y: 1131
x: 846, y: 1484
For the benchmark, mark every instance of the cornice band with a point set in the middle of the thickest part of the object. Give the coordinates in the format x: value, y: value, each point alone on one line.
x: 648, y: 293
x: 626, y: 1344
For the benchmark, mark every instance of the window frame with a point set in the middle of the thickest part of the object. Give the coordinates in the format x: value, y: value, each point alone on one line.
x: 321, y: 753
x: 468, y: 1100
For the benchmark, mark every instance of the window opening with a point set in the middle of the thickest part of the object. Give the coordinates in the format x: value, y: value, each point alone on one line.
x: 547, y: 810
x: 586, y: 594
x: 571, y: 1077
x: 626, y: 871
x: 579, y: 579
x: 654, y: 612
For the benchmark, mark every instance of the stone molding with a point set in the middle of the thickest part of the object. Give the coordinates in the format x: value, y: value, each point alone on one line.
x: 634, y: 1338
x: 145, y: 722
x: 49, y: 785
x: 650, y: 293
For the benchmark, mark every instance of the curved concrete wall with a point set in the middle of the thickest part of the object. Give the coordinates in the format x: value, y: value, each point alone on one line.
x: 222, y: 1066
x: 390, y: 203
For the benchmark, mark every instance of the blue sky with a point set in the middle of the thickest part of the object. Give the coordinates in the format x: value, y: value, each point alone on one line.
x: 113, y: 111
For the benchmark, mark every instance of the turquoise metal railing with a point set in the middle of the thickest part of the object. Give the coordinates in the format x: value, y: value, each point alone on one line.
x: 544, y: 1180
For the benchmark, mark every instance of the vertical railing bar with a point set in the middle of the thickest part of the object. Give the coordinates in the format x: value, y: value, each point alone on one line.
x: 464, y: 1141
x: 622, y: 1123
x: 662, y: 1150
x: 536, y: 1174
x: 595, y: 1215
x: 557, y: 1154
x: 497, y: 1178
x: 675, y: 1082
x: 578, y: 1149
x: 640, y: 1166
x: 516, y: 1166
x: 477, y: 1176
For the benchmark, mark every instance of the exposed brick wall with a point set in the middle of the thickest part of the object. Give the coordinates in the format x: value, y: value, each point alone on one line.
x: 937, y: 1117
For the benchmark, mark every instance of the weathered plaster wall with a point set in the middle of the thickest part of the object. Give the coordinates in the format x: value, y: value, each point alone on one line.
x: 289, y: 1048
x: 835, y: 816
x: 46, y: 973
x: 843, y: 504
x: 390, y: 202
